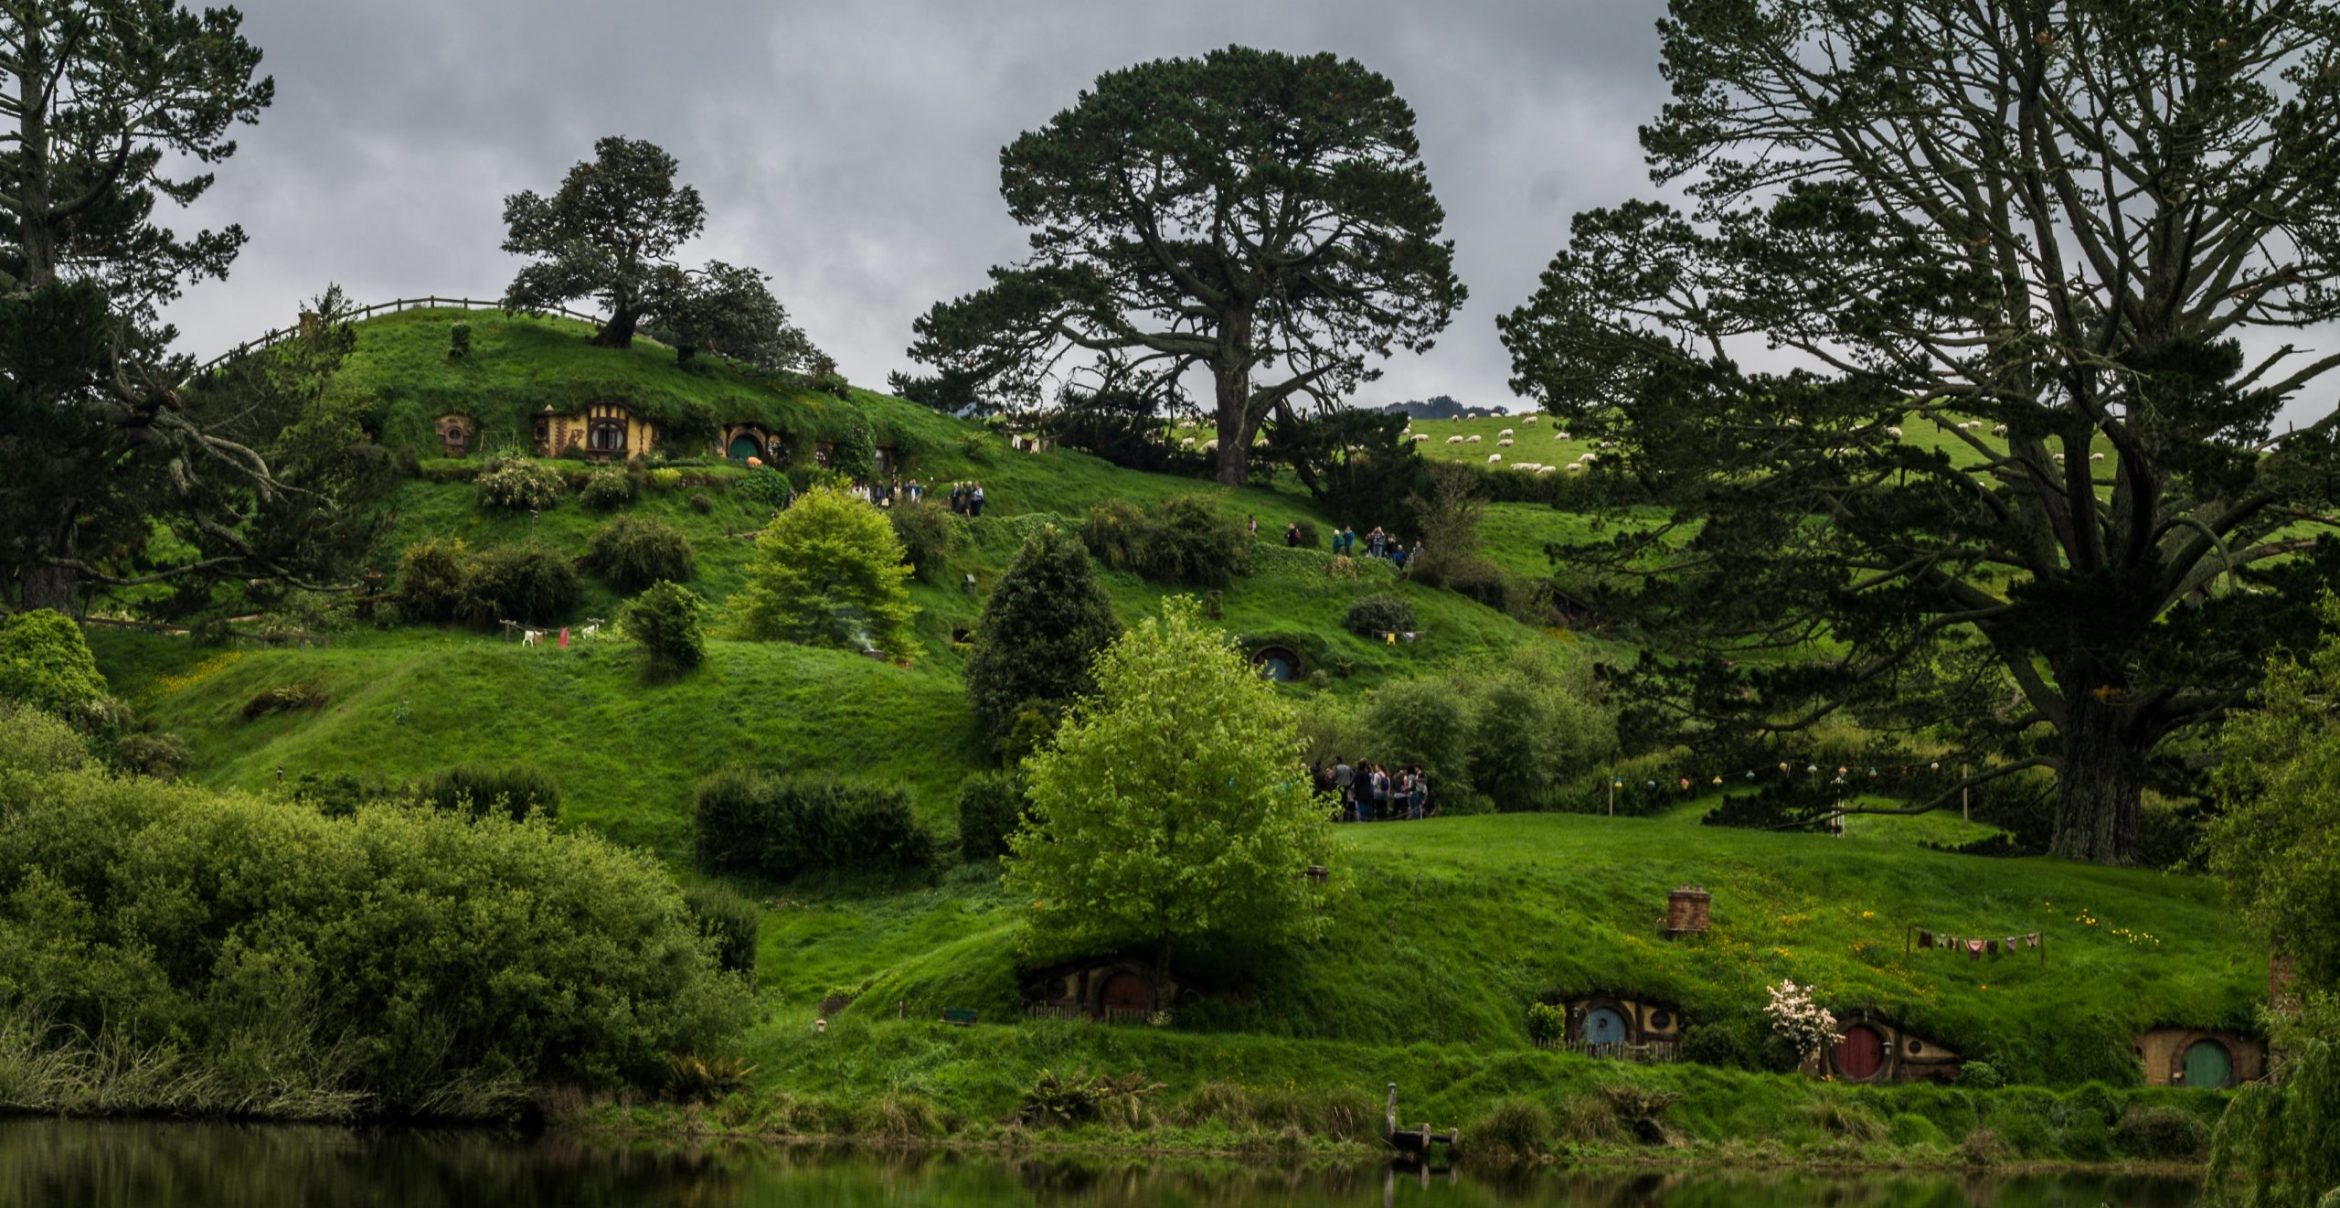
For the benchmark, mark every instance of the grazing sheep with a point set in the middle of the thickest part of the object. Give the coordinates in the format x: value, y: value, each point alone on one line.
x: 1586, y: 460
x: 1186, y: 442
x: 1493, y: 458
x: 2096, y: 457
x: 1526, y: 465
x: 1454, y: 440
x: 1970, y: 425
x: 1893, y: 432
x: 1532, y: 419
x: 1505, y: 432
x: 1418, y: 437
x: 1576, y: 467
x: 1505, y: 443
x: 2059, y: 459
x: 1210, y: 446
x: 1473, y: 438
x: 1543, y: 470
x: 1999, y: 429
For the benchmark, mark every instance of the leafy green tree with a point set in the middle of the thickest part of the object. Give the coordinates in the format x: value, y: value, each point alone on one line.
x: 829, y: 572
x: 1043, y: 627
x: 47, y: 664
x: 610, y: 232
x: 119, y: 474
x: 730, y: 310
x: 2038, y: 235
x: 667, y: 620
x: 1172, y: 807
x: 1260, y: 218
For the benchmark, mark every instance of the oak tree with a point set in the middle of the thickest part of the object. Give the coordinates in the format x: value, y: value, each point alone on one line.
x: 1961, y: 363
x: 610, y: 232
x: 1259, y: 219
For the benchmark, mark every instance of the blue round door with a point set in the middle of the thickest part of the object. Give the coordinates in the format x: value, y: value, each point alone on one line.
x: 1604, y: 1025
x: 2209, y: 1065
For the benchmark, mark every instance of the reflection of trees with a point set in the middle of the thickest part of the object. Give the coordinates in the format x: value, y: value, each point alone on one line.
x: 81, y: 1164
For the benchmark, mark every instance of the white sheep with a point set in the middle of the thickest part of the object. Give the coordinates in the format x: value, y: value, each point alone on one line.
x: 1493, y: 458
x: 1533, y: 419
x: 1526, y: 465
x: 1998, y: 429
x: 1587, y: 460
x: 2096, y: 457
x: 1473, y: 438
x: 1211, y: 446
x: 1576, y: 467
x: 1970, y: 425
x: 1186, y: 442
x: 1559, y: 436
x: 1505, y: 432
x: 1793, y: 422
x: 1454, y: 440
x: 1893, y: 432
x: 1419, y: 437
x: 2059, y: 459
x: 1505, y: 443
x: 1543, y: 470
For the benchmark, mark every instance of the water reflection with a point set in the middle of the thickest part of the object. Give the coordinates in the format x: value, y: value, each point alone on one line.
x: 76, y: 1164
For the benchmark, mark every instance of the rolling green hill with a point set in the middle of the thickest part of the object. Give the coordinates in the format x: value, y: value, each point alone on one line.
x: 1447, y: 928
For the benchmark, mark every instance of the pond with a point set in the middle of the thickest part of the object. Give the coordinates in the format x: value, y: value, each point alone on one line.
x: 82, y: 1164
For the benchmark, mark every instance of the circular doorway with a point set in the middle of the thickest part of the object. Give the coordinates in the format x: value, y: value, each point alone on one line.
x: 746, y: 445
x: 1124, y: 991
x: 1604, y: 1025
x: 1277, y: 663
x: 2208, y: 1064
x: 1860, y: 1056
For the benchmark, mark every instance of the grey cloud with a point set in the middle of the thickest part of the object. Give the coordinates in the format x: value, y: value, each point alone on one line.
x: 852, y: 149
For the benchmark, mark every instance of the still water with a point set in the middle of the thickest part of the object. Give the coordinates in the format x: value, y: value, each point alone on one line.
x: 75, y: 1164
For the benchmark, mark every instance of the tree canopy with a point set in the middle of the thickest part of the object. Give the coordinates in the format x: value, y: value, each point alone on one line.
x: 1172, y: 806
x: 1043, y: 625
x: 829, y: 572
x: 610, y: 232
x: 1254, y: 217
x: 2061, y: 243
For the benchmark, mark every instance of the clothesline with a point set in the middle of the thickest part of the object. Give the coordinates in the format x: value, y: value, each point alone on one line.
x: 1916, y: 939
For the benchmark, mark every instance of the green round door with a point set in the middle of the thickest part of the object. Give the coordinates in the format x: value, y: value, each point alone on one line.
x: 744, y: 446
x: 2208, y: 1064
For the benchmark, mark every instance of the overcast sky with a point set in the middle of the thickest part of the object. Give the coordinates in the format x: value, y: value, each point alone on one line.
x: 851, y: 149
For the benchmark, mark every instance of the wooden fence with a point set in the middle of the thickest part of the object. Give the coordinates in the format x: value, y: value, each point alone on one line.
x: 1617, y: 1050
x: 434, y: 302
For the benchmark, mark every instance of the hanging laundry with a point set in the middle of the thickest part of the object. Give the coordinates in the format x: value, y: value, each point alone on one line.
x: 1925, y: 939
x: 1974, y: 950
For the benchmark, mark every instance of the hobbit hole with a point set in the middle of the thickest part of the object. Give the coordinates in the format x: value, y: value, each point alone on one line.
x: 456, y: 433
x: 1278, y: 663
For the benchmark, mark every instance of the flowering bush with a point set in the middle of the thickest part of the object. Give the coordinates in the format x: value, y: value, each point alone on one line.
x: 1795, y: 1018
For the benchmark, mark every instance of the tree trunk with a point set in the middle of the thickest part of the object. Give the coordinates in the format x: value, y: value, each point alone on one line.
x: 2100, y: 789
x: 52, y: 587
x: 619, y: 331
x: 1232, y: 393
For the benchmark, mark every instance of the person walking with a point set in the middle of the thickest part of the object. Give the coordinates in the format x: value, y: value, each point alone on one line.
x: 1255, y: 525
x: 975, y: 501
x: 1292, y: 535
x: 1417, y: 794
x: 1344, y: 785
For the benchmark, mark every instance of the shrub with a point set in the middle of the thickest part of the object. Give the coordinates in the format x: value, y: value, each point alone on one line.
x: 633, y: 552
x: 284, y: 698
x: 153, y: 754
x: 459, y: 342
x: 702, y: 503
x: 35, y: 741
x: 1308, y: 535
x: 766, y: 488
x: 527, y: 583
x: 1850, y: 1121
x: 1121, y: 1101
x: 691, y: 1078
x: 829, y: 572
x: 1910, y: 1130
x: 45, y: 662
x: 1981, y: 1075
x: 253, y: 951
x: 782, y: 826
x: 1515, y: 1130
x: 432, y: 575
x: 1425, y: 722
x: 667, y: 621
x: 991, y: 805
x: 1189, y: 539
x: 1043, y: 625
x: 607, y: 488
x: 925, y: 530
x: 1220, y: 1102
x: 2161, y: 1133
x: 1719, y: 1044
x: 1375, y: 615
x: 665, y: 478
x: 732, y: 921
x: 517, y: 485
x: 516, y: 792
x: 1546, y: 1023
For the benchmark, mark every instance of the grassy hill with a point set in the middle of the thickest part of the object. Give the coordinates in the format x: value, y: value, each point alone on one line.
x: 1446, y: 930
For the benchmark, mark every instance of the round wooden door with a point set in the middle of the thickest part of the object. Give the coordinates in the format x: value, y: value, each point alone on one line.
x: 1604, y: 1025
x: 744, y: 446
x: 1124, y: 991
x: 2208, y: 1064
x: 1861, y: 1054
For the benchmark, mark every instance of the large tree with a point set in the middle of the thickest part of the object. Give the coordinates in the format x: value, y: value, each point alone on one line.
x: 1172, y: 807
x: 2063, y: 242
x: 609, y: 232
x: 1253, y: 217
x: 107, y: 108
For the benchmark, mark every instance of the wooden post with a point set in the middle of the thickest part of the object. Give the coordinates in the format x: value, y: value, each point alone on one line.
x: 1965, y: 791
x: 1612, y: 796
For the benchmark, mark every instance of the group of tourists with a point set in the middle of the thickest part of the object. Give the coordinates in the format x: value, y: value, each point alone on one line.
x: 967, y: 499
x: 887, y: 493
x: 1379, y: 543
x: 1372, y: 792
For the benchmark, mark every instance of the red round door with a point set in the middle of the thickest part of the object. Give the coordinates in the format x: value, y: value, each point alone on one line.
x: 1124, y: 991
x: 1861, y: 1054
